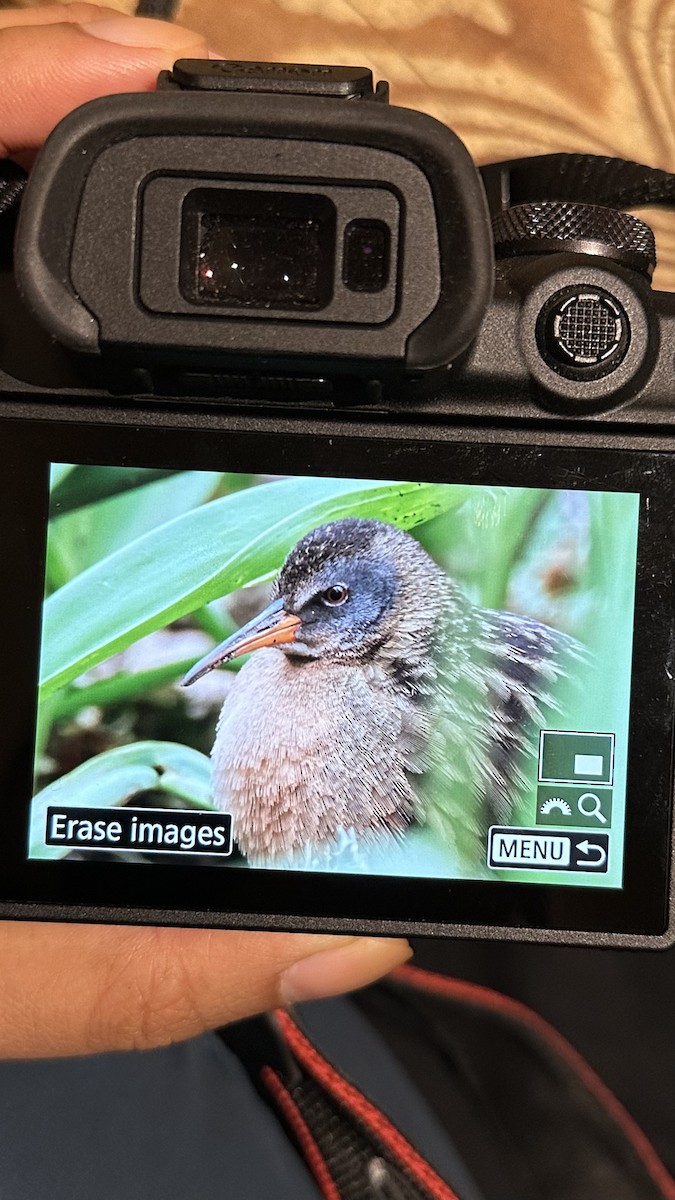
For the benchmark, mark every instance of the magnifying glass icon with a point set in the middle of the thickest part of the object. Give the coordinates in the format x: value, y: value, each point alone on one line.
x: 589, y: 806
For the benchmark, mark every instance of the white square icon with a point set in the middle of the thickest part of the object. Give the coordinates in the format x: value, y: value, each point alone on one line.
x: 586, y: 765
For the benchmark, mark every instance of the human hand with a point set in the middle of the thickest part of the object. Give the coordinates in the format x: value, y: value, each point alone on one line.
x: 79, y: 989
x: 55, y: 57
x: 74, y: 989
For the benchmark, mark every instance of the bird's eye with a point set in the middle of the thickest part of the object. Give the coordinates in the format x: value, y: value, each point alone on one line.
x: 335, y: 595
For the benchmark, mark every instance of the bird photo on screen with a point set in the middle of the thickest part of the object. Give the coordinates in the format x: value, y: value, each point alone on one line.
x: 377, y: 697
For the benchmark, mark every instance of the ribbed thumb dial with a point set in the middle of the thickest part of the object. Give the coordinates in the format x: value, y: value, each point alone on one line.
x: 559, y: 226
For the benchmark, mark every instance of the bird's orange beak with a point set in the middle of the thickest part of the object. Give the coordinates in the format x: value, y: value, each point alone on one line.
x: 272, y: 627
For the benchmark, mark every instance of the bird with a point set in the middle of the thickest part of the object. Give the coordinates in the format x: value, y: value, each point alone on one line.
x: 376, y: 697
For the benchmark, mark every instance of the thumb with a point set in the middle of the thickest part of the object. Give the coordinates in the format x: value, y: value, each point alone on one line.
x: 53, y: 59
x: 82, y: 989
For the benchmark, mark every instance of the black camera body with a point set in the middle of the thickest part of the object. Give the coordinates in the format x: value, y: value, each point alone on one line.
x: 266, y: 273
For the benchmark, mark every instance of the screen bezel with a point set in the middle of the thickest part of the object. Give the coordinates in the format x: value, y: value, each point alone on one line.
x: 268, y: 897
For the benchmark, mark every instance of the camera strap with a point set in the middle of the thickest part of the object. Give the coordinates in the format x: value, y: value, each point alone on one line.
x: 350, y: 1145
x: 524, y: 1113
x: 580, y: 178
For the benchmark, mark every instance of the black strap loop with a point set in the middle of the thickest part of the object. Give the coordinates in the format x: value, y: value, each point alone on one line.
x: 582, y: 178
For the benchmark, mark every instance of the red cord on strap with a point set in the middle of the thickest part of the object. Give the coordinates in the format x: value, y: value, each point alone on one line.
x: 366, y: 1112
x: 302, y: 1133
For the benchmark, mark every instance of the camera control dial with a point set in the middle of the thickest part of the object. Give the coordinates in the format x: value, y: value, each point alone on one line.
x: 583, y: 325
x: 559, y: 226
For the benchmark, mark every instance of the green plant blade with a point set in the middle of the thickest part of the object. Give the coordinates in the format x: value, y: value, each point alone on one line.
x: 81, y: 537
x: 209, y: 552
x: 113, y: 778
x: 84, y: 485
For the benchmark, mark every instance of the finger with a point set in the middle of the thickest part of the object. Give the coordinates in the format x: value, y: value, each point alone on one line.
x: 73, y: 989
x: 49, y: 69
x: 53, y: 14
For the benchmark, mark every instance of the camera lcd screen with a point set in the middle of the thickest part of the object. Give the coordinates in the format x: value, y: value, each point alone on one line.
x: 298, y: 678
x: 362, y: 677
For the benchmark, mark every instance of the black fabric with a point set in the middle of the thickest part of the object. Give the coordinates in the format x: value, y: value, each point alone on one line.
x: 523, y: 1133
x: 360, y: 1170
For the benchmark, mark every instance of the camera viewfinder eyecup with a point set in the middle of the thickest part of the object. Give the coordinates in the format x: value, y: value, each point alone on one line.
x: 209, y: 228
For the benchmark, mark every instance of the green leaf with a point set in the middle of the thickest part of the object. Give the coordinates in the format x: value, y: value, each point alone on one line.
x: 209, y: 552
x: 84, y: 485
x: 81, y: 538
x: 115, y: 777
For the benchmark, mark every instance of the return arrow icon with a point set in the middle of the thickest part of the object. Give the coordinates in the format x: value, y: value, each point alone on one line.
x: 586, y: 847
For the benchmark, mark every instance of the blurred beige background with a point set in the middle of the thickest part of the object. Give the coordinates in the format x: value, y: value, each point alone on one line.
x: 510, y: 76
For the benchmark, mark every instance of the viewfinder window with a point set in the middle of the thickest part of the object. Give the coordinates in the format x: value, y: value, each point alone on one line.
x: 244, y: 248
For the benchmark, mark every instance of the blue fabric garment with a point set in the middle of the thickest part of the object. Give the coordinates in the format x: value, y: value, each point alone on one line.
x: 186, y: 1122
x: 166, y: 1124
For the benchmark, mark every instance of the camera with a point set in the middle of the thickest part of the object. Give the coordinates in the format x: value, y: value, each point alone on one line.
x: 337, y: 505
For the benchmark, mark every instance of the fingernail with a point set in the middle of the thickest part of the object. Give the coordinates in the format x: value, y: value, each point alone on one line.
x: 351, y: 965
x: 141, y: 31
